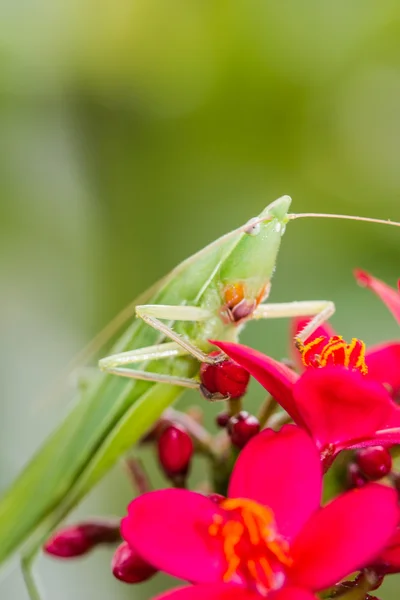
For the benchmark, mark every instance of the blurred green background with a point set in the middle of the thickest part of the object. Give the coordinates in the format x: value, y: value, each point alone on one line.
x: 134, y: 132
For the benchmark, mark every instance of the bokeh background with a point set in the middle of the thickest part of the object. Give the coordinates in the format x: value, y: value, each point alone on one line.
x: 134, y: 132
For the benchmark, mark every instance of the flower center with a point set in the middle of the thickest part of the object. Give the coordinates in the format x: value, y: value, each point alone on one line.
x: 253, y: 549
x: 334, y: 351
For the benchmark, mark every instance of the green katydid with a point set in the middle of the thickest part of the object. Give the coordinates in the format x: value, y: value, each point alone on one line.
x: 210, y: 295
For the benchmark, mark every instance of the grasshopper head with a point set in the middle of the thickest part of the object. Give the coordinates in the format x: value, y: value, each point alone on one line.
x: 277, y: 209
x: 246, y: 273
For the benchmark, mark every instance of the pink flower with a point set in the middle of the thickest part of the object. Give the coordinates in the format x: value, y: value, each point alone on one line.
x: 269, y: 537
x: 388, y: 295
x: 389, y: 559
x: 382, y: 360
x: 339, y: 407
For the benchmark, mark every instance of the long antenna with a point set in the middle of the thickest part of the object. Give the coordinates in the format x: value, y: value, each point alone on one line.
x: 293, y: 216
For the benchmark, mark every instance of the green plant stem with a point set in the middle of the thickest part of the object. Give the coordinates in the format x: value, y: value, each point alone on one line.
x: 268, y: 407
x: 234, y: 406
x: 31, y: 585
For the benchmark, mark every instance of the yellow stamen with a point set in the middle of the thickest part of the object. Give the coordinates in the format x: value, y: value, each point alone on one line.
x: 304, y: 348
x: 250, y: 541
x: 333, y: 350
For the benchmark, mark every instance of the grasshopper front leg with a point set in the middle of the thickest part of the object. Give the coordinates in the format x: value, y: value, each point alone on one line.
x: 151, y: 314
x: 116, y: 364
x: 319, y: 310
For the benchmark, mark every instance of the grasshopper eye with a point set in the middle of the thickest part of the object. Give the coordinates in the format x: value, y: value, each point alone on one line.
x: 253, y: 227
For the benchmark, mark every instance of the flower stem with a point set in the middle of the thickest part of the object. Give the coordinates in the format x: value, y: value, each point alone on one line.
x: 268, y: 407
x: 234, y: 406
x: 137, y: 474
x: 276, y: 420
x: 31, y: 586
x: 356, y: 589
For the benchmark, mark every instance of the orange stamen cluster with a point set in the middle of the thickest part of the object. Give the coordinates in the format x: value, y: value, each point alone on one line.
x: 321, y: 352
x: 251, y: 545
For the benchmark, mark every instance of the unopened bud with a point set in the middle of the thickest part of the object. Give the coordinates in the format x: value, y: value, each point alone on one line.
x: 222, y: 419
x: 129, y: 567
x: 242, y: 427
x: 175, y: 451
x: 354, y: 476
x: 375, y: 462
x: 225, y: 379
x: 79, y: 539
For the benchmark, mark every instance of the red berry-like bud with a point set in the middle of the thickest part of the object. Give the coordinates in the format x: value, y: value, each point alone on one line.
x: 354, y: 476
x: 222, y: 419
x: 375, y: 462
x: 129, y: 567
x: 77, y: 540
x: 225, y: 379
x: 175, y: 451
x: 242, y: 427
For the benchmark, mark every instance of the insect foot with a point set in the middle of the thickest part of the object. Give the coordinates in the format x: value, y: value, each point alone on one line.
x: 225, y: 379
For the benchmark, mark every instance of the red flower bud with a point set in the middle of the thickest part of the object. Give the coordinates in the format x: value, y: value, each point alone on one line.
x: 225, y: 379
x: 77, y: 540
x: 222, y: 419
x: 354, y: 476
x: 242, y: 427
x: 375, y: 462
x: 175, y: 450
x: 129, y: 567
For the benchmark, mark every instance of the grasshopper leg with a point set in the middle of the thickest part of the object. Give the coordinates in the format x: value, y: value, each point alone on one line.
x: 319, y: 311
x: 116, y: 364
x: 152, y: 313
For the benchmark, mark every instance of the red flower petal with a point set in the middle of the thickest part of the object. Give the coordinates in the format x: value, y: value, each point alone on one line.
x: 283, y: 471
x: 344, y: 536
x: 291, y: 593
x: 298, y: 325
x: 169, y: 529
x: 383, y: 362
x: 389, y: 560
x: 338, y: 405
x: 276, y: 378
x: 226, y: 591
x: 388, y: 295
x: 382, y: 437
x: 214, y: 591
